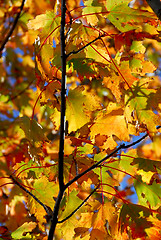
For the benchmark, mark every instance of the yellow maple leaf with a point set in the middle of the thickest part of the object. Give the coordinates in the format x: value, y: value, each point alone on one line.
x: 111, y: 124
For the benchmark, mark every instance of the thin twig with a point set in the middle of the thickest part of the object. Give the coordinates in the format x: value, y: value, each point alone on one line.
x: 20, y: 93
x: 75, y: 210
x: 76, y: 166
x: 79, y: 50
x: 32, y: 195
x: 13, y: 26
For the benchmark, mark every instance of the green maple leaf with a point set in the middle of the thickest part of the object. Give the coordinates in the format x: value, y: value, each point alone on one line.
x: 147, y: 164
x: 125, y: 22
x: 47, y: 22
x: 79, y: 107
x: 147, y: 194
x: 45, y: 191
x: 93, y: 6
x: 72, y: 203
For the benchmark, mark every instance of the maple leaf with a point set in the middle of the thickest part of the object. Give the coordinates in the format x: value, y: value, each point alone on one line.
x: 146, y: 168
x: 147, y: 194
x: 126, y: 22
x: 117, y: 83
x: 81, y: 65
x: 46, y: 21
x: 108, y: 183
x: 107, y: 124
x: 67, y: 227
x: 45, y: 190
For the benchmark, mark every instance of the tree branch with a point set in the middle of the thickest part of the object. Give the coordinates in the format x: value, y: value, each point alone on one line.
x: 156, y: 7
x: 13, y: 27
x: 93, y: 166
x: 122, y: 146
x: 79, y: 50
x: 32, y: 195
x: 75, y: 210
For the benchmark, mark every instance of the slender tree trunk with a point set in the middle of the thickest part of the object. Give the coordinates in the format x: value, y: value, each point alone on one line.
x: 62, y: 124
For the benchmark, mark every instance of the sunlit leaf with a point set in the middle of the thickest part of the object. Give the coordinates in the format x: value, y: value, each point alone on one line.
x: 23, y: 229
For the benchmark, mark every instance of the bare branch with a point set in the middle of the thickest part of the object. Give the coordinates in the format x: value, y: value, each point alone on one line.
x: 13, y: 27
x: 79, y: 50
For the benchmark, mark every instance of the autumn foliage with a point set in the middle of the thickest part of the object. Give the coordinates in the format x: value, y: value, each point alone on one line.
x: 110, y: 184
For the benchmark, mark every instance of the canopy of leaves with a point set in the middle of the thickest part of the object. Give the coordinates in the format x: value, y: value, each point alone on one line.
x: 113, y: 96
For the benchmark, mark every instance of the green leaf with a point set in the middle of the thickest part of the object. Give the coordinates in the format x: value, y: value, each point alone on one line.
x: 147, y: 194
x: 47, y: 21
x: 113, y: 3
x: 108, y: 183
x: 23, y: 229
x: 93, y: 6
x: 147, y: 164
x: 137, y: 46
x: 125, y: 22
x: 126, y: 160
x: 79, y: 116
x: 45, y: 191
x: 72, y: 203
